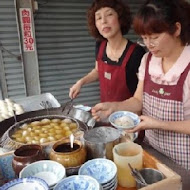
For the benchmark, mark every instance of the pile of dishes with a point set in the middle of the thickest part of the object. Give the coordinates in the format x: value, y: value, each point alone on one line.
x: 103, y: 170
x: 29, y: 183
x: 50, y: 171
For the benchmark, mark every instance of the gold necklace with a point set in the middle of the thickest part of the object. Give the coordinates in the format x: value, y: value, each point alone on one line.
x: 117, y: 53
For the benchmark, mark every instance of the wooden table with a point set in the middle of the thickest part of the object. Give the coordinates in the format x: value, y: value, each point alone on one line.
x: 124, y: 188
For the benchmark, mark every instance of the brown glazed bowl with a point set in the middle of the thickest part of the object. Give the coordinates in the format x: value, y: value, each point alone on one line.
x: 69, y: 157
x: 26, y: 155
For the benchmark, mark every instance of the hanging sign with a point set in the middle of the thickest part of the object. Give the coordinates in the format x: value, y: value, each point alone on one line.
x: 26, y: 27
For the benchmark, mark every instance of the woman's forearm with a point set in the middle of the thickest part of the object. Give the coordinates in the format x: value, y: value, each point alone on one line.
x: 90, y: 77
x: 176, y: 126
x: 132, y: 104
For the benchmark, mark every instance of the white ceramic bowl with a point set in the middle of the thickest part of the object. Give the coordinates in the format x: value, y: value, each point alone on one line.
x: 103, y: 170
x: 30, y: 183
x: 50, y: 171
x: 124, y: 115
x: 78, y: 182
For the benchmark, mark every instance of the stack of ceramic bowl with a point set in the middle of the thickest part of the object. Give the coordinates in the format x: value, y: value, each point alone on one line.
x: 103, y: 170
x: 50, y: 171
x: 25, y: 183
x: 78, y: 182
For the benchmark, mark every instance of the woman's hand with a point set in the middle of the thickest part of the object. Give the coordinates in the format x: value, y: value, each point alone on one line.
x: 90, y: 77
x: 101, y: 111
x: 75, y: 90
x: 147, y: 122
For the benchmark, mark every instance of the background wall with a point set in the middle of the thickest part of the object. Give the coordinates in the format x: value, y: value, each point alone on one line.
x: 11, y: 66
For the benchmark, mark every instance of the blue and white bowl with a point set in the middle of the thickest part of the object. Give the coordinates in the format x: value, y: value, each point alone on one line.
x: 30, y: 183
x: 50, y: 171
x: 78, y: 182
x: 103, y: 170
x: 122, y: 114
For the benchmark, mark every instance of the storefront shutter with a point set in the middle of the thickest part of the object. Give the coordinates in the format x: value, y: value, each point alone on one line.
x: 11, y: 67
x: 66, y: 51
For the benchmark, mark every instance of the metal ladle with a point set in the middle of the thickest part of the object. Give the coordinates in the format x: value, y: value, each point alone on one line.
x: 137, y: 175
x: 68, y: 106
x: 14, y: 115
x: 72, y: 138
x: 91, y: 122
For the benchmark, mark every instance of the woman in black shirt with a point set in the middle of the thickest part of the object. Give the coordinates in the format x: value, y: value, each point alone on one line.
x: 117, y: 58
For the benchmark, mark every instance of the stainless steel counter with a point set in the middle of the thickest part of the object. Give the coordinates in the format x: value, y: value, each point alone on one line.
x: 185, y: 174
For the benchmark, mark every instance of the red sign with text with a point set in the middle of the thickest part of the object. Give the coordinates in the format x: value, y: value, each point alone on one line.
x: 26, y: 27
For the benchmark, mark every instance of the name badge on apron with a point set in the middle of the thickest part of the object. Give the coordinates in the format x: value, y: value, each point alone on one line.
x: 107, y: 75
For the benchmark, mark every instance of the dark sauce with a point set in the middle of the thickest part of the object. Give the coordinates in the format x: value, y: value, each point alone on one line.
x: 66, y: 147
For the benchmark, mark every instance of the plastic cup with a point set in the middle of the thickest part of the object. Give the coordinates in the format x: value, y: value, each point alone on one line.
x: 124, y: 153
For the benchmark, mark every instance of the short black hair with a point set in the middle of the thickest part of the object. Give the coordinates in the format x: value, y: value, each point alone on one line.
x: 157, y: 16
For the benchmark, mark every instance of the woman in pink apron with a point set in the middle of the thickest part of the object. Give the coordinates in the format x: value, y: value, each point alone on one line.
x: 117, y: 58
x: 163, y: 92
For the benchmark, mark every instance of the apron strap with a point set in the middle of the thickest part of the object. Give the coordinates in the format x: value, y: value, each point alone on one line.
x: 127, y: 56
x: 147, y: 76
x: 101, y: 49
x: 183, y: 76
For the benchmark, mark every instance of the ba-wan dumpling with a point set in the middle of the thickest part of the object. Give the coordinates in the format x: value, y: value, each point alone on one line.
x: 124, y: 121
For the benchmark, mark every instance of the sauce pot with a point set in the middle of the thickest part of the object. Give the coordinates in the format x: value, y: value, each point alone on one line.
x: 26, y: 155
x: 67, y: 156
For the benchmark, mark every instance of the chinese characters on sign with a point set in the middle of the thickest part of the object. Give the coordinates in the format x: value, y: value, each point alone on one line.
x: 26, y: 27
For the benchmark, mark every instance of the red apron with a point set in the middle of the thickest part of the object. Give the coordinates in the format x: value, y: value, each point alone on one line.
x: 113, y: 78
x: 165, y: 102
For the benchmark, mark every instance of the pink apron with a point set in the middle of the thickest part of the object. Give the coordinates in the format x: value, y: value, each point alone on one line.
x: 113, y: 78
x: 165, y: 102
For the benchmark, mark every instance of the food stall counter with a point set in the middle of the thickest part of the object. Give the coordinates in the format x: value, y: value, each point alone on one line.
x: 183, y: 173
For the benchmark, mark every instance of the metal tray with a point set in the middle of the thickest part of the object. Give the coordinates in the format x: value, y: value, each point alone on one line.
x: 32, y: 103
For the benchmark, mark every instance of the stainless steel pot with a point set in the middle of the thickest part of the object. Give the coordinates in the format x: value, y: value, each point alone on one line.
x: 82, y: 115
x: 100, y: 142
